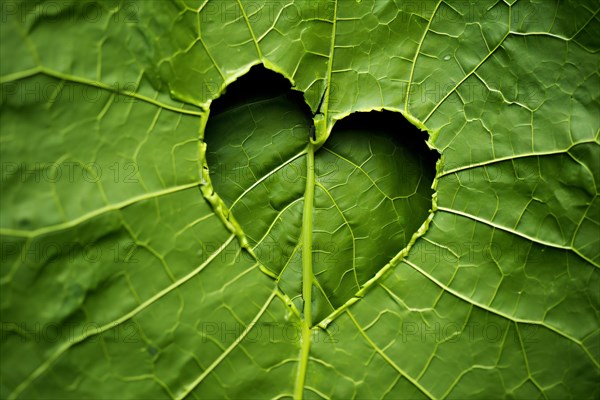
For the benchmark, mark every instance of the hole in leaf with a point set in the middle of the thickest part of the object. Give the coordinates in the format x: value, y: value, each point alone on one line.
x: 257, y: 85
x: 372, y: 193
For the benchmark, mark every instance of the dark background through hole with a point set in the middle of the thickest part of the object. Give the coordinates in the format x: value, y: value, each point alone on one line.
x: 261, y: 83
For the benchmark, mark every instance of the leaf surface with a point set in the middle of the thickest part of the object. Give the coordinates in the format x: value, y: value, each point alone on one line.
x: 159, y: 244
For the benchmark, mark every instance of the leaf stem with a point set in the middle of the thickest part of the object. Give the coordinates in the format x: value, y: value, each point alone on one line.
x: 307, y: 222
x: 307, y: 272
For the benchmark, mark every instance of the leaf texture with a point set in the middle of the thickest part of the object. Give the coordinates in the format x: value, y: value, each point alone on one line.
x: 158, y: 242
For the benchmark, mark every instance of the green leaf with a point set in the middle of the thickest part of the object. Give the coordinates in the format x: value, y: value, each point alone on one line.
x: 371, y: 190
x: 158, y: 243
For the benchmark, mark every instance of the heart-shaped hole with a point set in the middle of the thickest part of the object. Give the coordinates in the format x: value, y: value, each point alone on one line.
x: 372, y: 186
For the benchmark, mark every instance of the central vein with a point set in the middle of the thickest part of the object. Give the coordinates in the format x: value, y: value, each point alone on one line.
x: 307, y: 222
x: 307, y: 272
